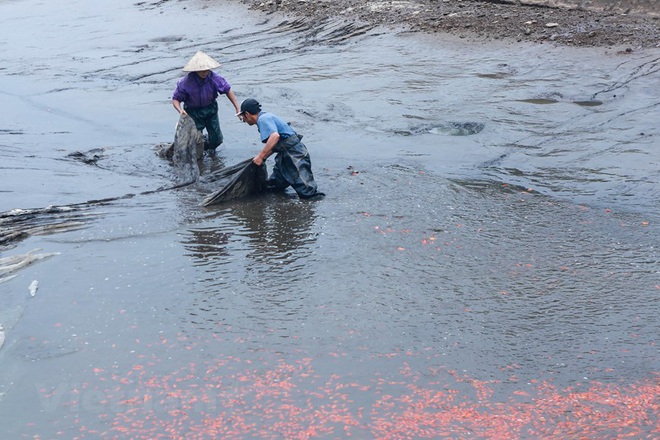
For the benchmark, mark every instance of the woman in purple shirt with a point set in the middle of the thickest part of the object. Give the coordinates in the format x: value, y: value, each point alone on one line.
x: 198, y: 91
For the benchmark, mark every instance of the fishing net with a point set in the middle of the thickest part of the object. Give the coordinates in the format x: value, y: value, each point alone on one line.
x: 240, y: 180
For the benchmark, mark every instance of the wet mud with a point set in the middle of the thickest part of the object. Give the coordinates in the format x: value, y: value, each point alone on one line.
x: 484, y: 264
x: 630, y: 24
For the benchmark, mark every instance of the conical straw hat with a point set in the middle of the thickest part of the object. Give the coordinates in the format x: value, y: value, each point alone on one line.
x: 200, y: 61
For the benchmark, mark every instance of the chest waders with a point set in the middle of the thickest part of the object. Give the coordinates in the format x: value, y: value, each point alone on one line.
x: 293, y: 167
x: 207, y: 117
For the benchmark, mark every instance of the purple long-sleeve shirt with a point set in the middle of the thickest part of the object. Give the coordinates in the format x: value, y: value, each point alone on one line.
x: 196, y: 92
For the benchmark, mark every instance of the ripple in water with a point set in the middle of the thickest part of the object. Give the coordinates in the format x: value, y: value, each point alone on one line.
x: 447, y: 129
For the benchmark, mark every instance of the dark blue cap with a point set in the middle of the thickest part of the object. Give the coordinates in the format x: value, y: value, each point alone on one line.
x: 251, y: 106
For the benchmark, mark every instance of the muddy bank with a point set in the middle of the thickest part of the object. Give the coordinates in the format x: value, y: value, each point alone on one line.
x: 630, y: 24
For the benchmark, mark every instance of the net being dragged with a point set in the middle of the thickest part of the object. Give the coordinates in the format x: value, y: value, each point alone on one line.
x: 240, y: 180
x: 185, y: 151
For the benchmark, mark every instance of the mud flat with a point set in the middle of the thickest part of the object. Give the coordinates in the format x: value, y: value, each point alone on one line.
x: 629, y: 24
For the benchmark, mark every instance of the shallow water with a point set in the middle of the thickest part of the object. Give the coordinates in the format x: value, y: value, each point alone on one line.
x: 484, y: 264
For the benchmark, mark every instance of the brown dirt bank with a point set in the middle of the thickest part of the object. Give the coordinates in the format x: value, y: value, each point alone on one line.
x: 629, y: 24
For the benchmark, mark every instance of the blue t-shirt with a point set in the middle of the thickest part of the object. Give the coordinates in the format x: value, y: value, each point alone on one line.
x: 268, y: 123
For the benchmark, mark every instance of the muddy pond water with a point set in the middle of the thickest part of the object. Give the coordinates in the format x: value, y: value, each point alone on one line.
x: 484, y: 265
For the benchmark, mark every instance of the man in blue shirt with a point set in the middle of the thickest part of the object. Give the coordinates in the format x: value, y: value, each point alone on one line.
x: 198, y: 91
x: 293, y: 166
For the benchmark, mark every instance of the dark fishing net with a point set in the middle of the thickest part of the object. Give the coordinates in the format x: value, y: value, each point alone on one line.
x: 185, y: 151
x: 240, y: 180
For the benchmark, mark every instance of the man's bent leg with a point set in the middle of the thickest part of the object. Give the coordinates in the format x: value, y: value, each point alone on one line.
x: 298, y: 172
x: 276, y: 181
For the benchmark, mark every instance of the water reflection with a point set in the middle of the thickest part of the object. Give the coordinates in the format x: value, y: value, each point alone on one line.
x: 206, y: 244
x: 255, y: 254
x: 268, y: 229
x: 279, y: 231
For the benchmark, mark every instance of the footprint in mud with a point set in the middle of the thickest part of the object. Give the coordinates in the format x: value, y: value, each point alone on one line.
x: 334, y: 112
x: 90, y: 157
x: 10, y: 131
x: 446, y: 128
x: 168, y: 39
x: 502, y: 71
x: 590, y: 103
x: 553, y: 98
x: 32, y: 349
